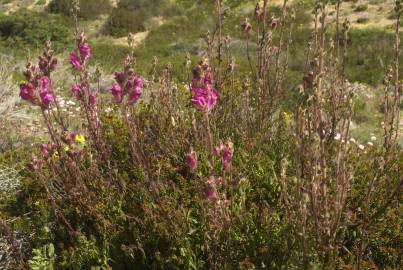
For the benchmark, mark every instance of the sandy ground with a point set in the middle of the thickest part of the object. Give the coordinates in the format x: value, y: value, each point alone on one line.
x: 15, y: 5
x: 374, y: 16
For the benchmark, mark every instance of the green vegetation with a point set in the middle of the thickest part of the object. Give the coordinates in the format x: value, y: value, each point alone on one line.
x: 30, y: 29
x: 369, y: 56
x: 131, y: 16
x: 89, y: 9
x: 360, y: 8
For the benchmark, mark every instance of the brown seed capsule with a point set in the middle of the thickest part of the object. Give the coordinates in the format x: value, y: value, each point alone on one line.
x: 246, y: 26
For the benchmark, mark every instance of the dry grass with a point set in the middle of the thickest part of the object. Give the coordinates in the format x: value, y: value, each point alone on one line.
x: 375, y: 14
x: 15, y: 5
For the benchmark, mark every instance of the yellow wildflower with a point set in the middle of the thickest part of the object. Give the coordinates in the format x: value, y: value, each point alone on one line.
x: 80, y: 139
x: 287, y: 117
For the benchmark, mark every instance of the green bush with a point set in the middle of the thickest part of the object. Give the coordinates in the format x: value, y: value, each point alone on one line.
x: 89, y: 9
x: 130, y: 16
x: 370, y: 52
x: 362, y: 20
x: 32, y: 29
x: 123, y: 21
x: 361, y: 8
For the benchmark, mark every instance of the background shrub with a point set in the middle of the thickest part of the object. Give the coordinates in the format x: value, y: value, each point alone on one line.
x: 32, y: 29
x: 89, y: 9
x: 131, y: 15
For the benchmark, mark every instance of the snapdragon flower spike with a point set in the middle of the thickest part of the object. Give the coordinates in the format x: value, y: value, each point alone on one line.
x: 210, y: 193
x: 47, y: 62
x: 205, y: 96
x: 46, y: 92
x: 47, y: 150
x: 76, y: 62
x: 135, y: 90
x: 46, y: 96
x: 226, y: 152
x: 192, y: 161
x: 205, y: 99
x: 117, y: 93
x: 85, y: 50
x: 27, y: 92
x: 79, y: 61
x: 70, y: 138
x: 227, y: 157
x: 92, y: 99
x: 75, y: 89
x: 127, y: 84
x: 38, y: 87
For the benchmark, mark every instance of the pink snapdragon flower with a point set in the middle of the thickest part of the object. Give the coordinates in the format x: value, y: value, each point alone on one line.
x: 192, y: 161
x: 117, y: 93
x: 135, y: 90
x: 79, y: 61
x: 227, y: 157
x: 127, y: 84
x: 85, y: 51
x: 75, y: 61
x: 92, y: 99
x: 45, y: 151
x: 226, y: 152
x: 210, y: 193
x: 47, y: 99
x: 205, y: 99
x: 46, y: 91
x: 27, y: 92
x: 75, y: 89
x: 205, y: 96
x: 210, y: 190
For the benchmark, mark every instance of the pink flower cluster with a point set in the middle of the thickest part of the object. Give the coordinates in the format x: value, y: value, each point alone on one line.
x: 192, y: 161
x: 46, y: 91
x: 205, y: 96
x: 29, y: 92
x: 47, y: 150
x: 127, y: 83
x: 38, y: 87
x: 79, y: 61
x: 80, y: 90
x: 210, y: 191
x: 226, y: 152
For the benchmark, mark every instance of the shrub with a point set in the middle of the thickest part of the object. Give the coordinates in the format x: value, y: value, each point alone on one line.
x: 32, y: 29
x: 89, y: 9
x: 369, y: 55
x: 362, y: 20
x: 360, y: 8
x: 131, y: 16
